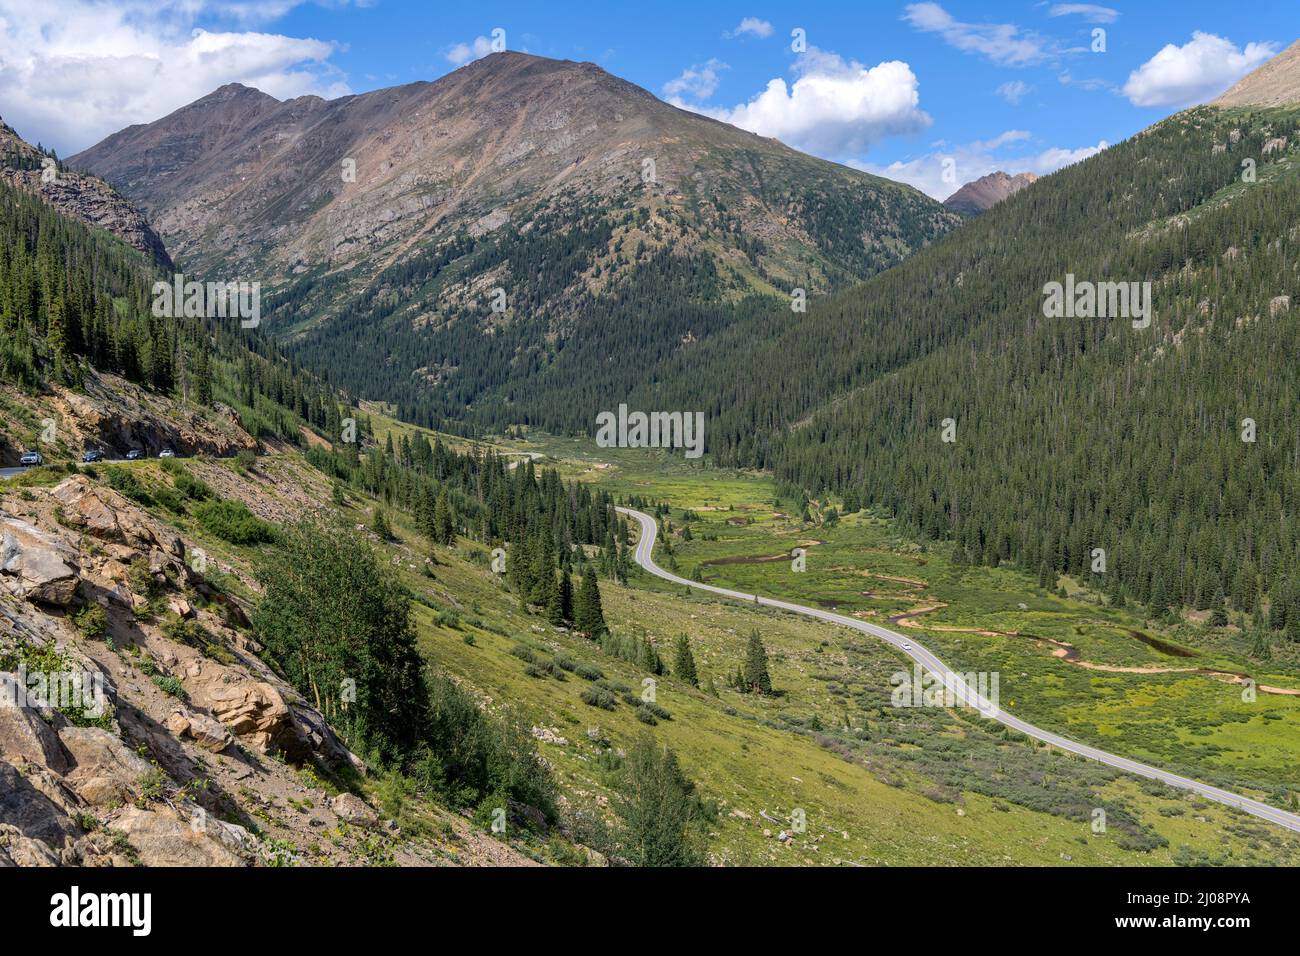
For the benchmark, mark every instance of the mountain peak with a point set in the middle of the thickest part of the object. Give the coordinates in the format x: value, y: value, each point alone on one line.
x: 1275, y: 83
x: 981, y: 194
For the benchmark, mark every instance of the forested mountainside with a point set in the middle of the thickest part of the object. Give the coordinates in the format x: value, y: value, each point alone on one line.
x: 75, y: 298
x: 383, y: 226
x: 1070, y: 433
x: 85, y: 198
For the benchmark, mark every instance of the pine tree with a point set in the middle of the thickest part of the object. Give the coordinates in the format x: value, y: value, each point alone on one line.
x: 588, y: 615
x: 684, y: 662
x: 379, y: 525
x: 444, y: 527
x: 756, y: 678
x: 566, y: 597
x: 554, y: 602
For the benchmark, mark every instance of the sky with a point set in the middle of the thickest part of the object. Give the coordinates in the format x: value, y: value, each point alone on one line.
x: 931, y: 93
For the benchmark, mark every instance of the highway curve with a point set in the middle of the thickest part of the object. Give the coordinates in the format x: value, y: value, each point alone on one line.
x: 644, y: 556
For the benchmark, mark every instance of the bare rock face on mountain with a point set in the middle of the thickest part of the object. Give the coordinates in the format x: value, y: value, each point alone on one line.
x: 79, y: 195
x: 242, y: 182
x: 1276, y: 83
x: 986, y: 192
x: 444, y: 243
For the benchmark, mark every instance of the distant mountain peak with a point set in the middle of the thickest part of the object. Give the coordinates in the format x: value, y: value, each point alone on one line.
x: 1275, y: 83
x: 982, y: 194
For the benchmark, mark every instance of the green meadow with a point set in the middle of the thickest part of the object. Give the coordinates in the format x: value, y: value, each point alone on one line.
x: 877, y: 784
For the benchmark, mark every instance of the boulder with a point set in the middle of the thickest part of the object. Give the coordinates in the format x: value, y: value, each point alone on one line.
x: 162, y: 838
x: 105, y: 769
x: 37, y: 806
x: 250, y: 709
x: 43, y: 565
x: 17, y: 849
x: 352, y: 809
x: 24, y: 733
x: 200, y: 728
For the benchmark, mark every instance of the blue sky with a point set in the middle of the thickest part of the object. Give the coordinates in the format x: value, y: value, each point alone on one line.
x: 933, y: 93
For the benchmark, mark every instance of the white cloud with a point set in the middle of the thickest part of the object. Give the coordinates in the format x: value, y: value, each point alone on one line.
x: 73, y: 72
x: 972, y: 160
x: 1003, y: 43
x: 751, y: 26
x: 1089, y: 11
x: 698, y: 82
x: 1197, y: 71
x: 463, y: 53
x: 1014, y: 91
x: 834, y: 108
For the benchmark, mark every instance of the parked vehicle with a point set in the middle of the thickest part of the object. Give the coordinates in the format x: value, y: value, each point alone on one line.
x: 92, y: 455
x: 167, y: 453
x: 32, y: 458
x: 135, y: 454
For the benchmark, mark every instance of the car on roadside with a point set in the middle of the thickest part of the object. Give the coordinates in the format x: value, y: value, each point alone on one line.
x: 92, y: 455
x: 135, y: 454
x: 31, y: 458
x: 167, y: 453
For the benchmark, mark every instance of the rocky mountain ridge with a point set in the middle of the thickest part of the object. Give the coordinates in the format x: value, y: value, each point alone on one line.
x: 984, y: 193
x: 77, y: 194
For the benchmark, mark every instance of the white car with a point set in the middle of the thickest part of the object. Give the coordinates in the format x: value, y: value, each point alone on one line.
x: 906, y: 646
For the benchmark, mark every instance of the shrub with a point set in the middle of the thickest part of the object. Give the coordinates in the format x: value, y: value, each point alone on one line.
x: 661, y: 712
x: 588, y: 671
x: 125, y: 483
x: 659, y: 808
x: 169, y: 685
x: 91, y: 621
x: 598, y: 697
x: 189, y: 486
x: 232, y: 521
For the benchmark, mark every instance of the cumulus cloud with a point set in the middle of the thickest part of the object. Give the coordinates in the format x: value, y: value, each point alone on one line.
x: 71, y: 73
x: 834, y: 107
x: 1014, y: 91
x: 1197, y: 71
x: 1089, y: 11
x: 698, y: 82
x: 970, y: 161
x: 750, y: 26
x: 462, y: 53
x: 1003, y: 43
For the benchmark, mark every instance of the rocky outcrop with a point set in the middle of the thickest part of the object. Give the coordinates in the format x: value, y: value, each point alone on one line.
x: 41, y: 566
x: 161, y: 837
x: 252, y: 710
x: 78, y: 195
x: 116, y: 416
x: 108, y: 516
x: 105, y: 770
x: 190, y: 750
x: 26, y: 733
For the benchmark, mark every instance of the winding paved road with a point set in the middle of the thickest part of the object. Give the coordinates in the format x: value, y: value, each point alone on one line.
x: 951, y: 679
